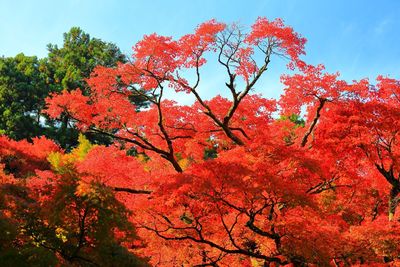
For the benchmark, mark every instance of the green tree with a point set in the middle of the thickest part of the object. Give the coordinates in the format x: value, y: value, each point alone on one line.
x: 25, y: 81
x: 22, y: 91
x: 71, y: 64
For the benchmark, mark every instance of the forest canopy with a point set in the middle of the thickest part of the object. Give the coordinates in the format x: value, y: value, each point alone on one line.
x: 99, y: 168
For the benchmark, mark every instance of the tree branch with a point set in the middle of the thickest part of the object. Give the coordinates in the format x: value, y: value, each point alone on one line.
x: 132, y: 191
x: 314, y: 122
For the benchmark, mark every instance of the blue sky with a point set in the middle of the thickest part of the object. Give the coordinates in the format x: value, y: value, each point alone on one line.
x: 357, y: 38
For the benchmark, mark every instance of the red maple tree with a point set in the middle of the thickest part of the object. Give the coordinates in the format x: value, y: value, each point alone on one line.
x: 243, y: 181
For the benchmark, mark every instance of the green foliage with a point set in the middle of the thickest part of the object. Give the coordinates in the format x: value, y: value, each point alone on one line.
x: 295, y: 118
x: 298, y: 121
x: 69, y: 65
x: 22, y: 92
x: 210, y: 153
x: 26, y: 81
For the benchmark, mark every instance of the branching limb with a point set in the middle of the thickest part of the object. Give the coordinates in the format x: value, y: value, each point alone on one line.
x: 314, y: 122
x: 132, y: 191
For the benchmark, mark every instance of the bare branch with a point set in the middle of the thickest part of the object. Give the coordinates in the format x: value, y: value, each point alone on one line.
x: 132, y: 191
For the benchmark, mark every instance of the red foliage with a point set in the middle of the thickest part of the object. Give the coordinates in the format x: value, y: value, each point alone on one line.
x: 22, y: 158
x: 226, y: 182
x: 283, y: 37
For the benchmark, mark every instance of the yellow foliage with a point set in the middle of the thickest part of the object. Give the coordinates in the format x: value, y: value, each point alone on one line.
x: 184, y: 163
x: 88, y: 190
x: 61, y: 234
x: 55, y: 159
x: 147, y: 168
x: 83, y: 189
x: 256, y: 262
x: 141, y: 158
x: 82, y: 149
x: 59, y: 161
